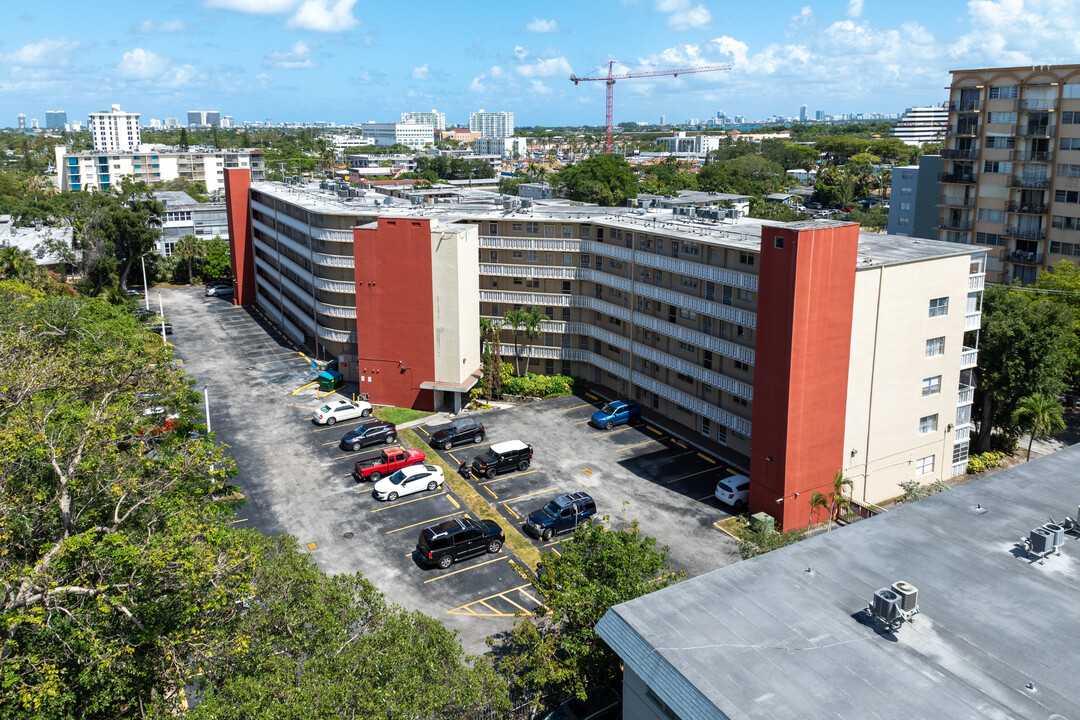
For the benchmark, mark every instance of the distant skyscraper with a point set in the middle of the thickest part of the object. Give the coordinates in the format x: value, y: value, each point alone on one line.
x: 819, y: 115
x: 114, y: 130
x: 195, y: 118
x: 55, y: 119
x: 34, y: 124
x: 22, y: 121
x: 492, y: 124
x: 172, y: 122
x: 227, y: 121
x: 663, y: 120
x: 213, y: 118
x: 803, y: 116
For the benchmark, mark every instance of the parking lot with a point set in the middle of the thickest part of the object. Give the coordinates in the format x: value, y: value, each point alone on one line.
x: 297, y: 478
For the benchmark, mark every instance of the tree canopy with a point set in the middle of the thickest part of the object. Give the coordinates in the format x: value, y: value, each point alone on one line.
x: 603, y: 179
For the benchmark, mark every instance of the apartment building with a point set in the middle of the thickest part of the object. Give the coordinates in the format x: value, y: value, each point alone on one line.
x: 682, y: 144
x: 920, y: 125
x: 434, y: 118
x: 1012, y: 167
x: 203, y: 118
x: 115, y: 130
x: 415, y: 135
x: 185, y: 216
x: 96, y: 170
x: 503, y: 146
x: 913, y: 198
x: 492, y: 124
x: 866, y: 341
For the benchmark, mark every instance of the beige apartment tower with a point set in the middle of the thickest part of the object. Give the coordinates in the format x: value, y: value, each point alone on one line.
x: 1012, y: 167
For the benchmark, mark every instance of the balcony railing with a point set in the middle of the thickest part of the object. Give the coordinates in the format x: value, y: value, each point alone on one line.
x: 1019, y: 257
x: 976, y: 282
x: 959, y: 178
x: 333, y: 260
x: 959, y: 225
x: 966, y: 396
x: 1027, y: 208
x: 335, y: 285
x: 1029, y: 182
x: 336, y: 335
x: 1025, y: 233
x: 956, y: 154
x: 1034, y: 130
x: 1039, y: 156
x: 969, y: 358
x: 972, y: 321
x: 1032, y: 104
x: 953, y: 201
x: 965, y: 105
x: 337, y: 311
x: 965, y: 129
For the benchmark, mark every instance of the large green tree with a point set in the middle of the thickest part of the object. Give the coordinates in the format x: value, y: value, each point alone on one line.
x: 133, y: 225
x: 603, y: 179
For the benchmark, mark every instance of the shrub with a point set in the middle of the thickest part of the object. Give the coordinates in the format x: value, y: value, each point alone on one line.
x: 533, y: 385
x: 1003, y: 443
x: 914, y: 490
x: 985, y: 461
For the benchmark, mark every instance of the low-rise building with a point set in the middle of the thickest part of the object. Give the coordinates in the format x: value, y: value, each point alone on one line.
x: 516, y: 147
x: 682, y: 144
x: 50, y: 246
x: 414, y: 135
x: 185, y: 216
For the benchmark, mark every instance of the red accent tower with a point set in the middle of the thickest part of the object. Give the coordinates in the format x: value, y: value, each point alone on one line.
x: 806, y: 292
x: 241, y: 252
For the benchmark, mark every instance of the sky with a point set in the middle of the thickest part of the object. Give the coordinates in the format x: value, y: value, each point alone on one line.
x: 347, y: 61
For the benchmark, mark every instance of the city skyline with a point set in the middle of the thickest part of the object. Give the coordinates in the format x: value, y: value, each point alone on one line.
x: 343, y: 62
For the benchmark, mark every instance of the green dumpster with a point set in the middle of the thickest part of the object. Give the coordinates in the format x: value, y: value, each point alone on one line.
x: 330, y: 380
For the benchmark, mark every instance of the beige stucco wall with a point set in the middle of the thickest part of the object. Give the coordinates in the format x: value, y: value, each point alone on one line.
x: 455, y: 252
x: 888, y: 365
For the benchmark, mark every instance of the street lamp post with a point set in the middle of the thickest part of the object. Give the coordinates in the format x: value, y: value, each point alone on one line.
x: 146, y: 297
x: 161, y: 311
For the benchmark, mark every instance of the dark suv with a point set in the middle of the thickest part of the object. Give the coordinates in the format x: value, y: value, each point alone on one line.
x: 563, y: 514
x: 372, y: 432
x: 458, y: 432
x: 503, y: 457
x: 458, y: 539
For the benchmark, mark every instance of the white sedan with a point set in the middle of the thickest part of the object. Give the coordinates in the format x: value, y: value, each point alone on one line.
x: 409, y: 480
x: 339, y: 410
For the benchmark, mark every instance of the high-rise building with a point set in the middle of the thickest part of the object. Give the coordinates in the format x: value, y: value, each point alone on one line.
x: 213, y: 118
x: 1012, y: 167
x: 34, y: 124
x: 22, y: 121
x: 196, y: 118
x: 920, y: 125
x: 492, y: 124
x: 55, y: 119
x: 819, y: 115
x: 434, y: 118
x: 114, y: 130
x: 171, y: 123
x: 913, y: 200
x: 803, y: 116
x: 227, y: 122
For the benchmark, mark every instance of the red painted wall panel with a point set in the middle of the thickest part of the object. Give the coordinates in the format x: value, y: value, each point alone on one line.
x: 806, y: 292
x: 241, y: 252
x: 394, y: 311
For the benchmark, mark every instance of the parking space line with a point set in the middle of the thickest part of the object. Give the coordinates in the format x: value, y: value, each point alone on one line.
x: 451, y: 455
x: 652, y: 429
x: 684, y: 477
x: 538, y: 492
x: 425, y: 432
x: 272, y: 354
x: 491, y: 493
x: 612, y: 432
x: 522, y: 591
x: 515, y: 604
x: 590, y: 395
x: 676, y: 442
x: 664, y: 459
x: 706, y: 458
x: 493, y: 610
x: 710, y: 495
x: 422, y: 522
x: 556, y: 552
x: 582, y: 422
x: 573, y: 408
x: 631, y: 447
x: 511, y: 511
x: 507, y: 477
x: 471, y: 567
x: 504, y: 595
x: 453, y: 502
x: 338, y: 425
x: 399, y: 504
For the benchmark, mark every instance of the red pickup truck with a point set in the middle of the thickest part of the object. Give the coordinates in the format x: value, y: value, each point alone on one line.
x: 385, y: 462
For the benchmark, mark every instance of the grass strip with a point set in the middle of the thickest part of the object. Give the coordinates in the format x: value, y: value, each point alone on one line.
x: 475, y: 501
x: 398, y: 415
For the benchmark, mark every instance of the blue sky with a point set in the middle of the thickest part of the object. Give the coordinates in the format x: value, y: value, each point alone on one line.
x: 352, y: 61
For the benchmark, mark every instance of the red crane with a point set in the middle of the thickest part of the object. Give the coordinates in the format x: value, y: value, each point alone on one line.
x: 611, y: 77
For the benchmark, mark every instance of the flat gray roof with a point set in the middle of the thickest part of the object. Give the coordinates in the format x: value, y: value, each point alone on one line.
x: 784, y: 635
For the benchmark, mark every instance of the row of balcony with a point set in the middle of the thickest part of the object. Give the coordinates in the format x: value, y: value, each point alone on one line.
x: 1027, y: 208
x: 1024, y: 233
x: 1038, y: 156
x: 1030, y: 130
x: 1020, y: 257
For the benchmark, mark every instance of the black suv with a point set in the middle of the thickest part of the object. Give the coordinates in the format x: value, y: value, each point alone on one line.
x: 460, y: 431
x: 503, y: 457
x: 372, y: 432
x: 458, y: 539
x: 563, y: 514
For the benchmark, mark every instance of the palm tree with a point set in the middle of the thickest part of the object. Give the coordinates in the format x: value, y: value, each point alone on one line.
x: 839, y: 502
x: 1042, y: 414
x: 190, y: 248
x: 16, y: 264
x: 533, y: 319
x: 516, y: 320
x: 817, y: 502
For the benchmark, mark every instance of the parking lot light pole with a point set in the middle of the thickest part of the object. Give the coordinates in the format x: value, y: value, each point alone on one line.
x: 146, y: 297
x: 206, y: 405
x: 161, y: 311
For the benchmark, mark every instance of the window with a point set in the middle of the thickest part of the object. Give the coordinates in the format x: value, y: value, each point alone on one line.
x: 1065, y: 223
x: 721, y: 434
x: 906, y: 190
x: 924, y: 466
x: 931, y: 386
x: 740, y: 365
x: 685, y: 378
x: 1003, y: 118
x: 493, y: 256
x: 1070, y: 143
x: 493, y: 228
x: 1001, y: 142
x: 1067, y: 196
x: 778, y: 242
x: 517, y: 255
x: 532, y: 256
x: 1004, y: 92
x: 1070, y: 171
x: 989, y: 238
x: 1070, y: 117
x: 516, y: 227
x: 991, y: 215
x: 687, y: 314
x: 532, y: 228
x: 739, y: 401
x: 725, y: 296
x: 687, y: 282
x: 585, y: 260
x: 567, y: 259
x: 928, y: 424
x: 686, y: 346
x: 566, y: 287
x: 939, y: 307
x: 746, y: 259
x: 905, y: 206
x: 903, y: 221
x: 532, y: 283
x: 994, y: 166
x: 907, y: 174
x: 549, y: 231
x: 567, y: 231
x: 745, y: 295
x: 706, y: 427
x: 1070, y: 90
x: 935, y: 347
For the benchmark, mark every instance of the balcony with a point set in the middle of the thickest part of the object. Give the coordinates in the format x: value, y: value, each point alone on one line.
x: 958, y: 225
x: 965, y: 105
x: 966, y: 129
x: 345, y: 261
x: 962, y: 433
x: 335, y: 286
x: 976, y: 282
x: 966, y: 396
x: 969, y: 358
x: 1040, y: 131
x: 955, y: 154
x: 1025, y: 233
x: 952, y: 201
x: 1027, y: 208
x: 972, y: 321
x: 1030, y: 182
x: 1033, y: 156
x: 1033, y: 104
x: 336, y: 335
x: 957, y: 178
x: 1019, y: 257
x: 336, y: 311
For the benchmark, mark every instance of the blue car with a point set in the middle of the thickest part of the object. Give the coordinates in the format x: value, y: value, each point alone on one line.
x: 615, y: 413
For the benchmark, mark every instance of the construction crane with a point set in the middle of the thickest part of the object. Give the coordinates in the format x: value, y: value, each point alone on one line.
x: 611, y: 77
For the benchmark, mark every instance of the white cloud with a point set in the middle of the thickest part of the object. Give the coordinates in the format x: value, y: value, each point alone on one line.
x: 264, y: 81
x: 477, y: 85
x: 321, y: 16
x: 546, y: 67
x: 538, y: 25
x: 50, y: 52
x: 683, y: 15
x: 140, y: 64
x: 521, y: 53
x: 299, y: 56
x: 256, y: 7
x: 539, y: 88
x: 1019, y: 32
x: 151, y: 27
x: 854, y: 8
x: 421, y: 73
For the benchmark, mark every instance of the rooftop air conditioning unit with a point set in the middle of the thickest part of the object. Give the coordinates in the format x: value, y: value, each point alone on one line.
x: 1041, y: 541
x: 886, y: 606
x: 909, y: 596
x: 1057, y: 534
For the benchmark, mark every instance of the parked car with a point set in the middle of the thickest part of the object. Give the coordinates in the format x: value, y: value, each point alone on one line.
x: 561, y: 515
x: 734, y: 492
x: 503, y: 457
x: 219, y: 289
x: 600, y: 703
x: 339, y: 410
x: 154, y: 323
x: 372, y: 432
x: 458, y: 432
x: 408, y: 480
x: 385, y: 462
x: 616, y: 413
x: 142, y: 312
x: 134, y: 292
x: 458, y: 539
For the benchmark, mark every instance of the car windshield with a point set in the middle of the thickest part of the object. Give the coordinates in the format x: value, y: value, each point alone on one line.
x: 724, y: 487
x: 551, y: 509
x: 398, y: 477
x: 608, y: 409
x: 324, y: 409
x: 490, y: 456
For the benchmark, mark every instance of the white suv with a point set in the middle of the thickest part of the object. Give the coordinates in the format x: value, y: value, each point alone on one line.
x: 338, y: 410
x: 734, y: 492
